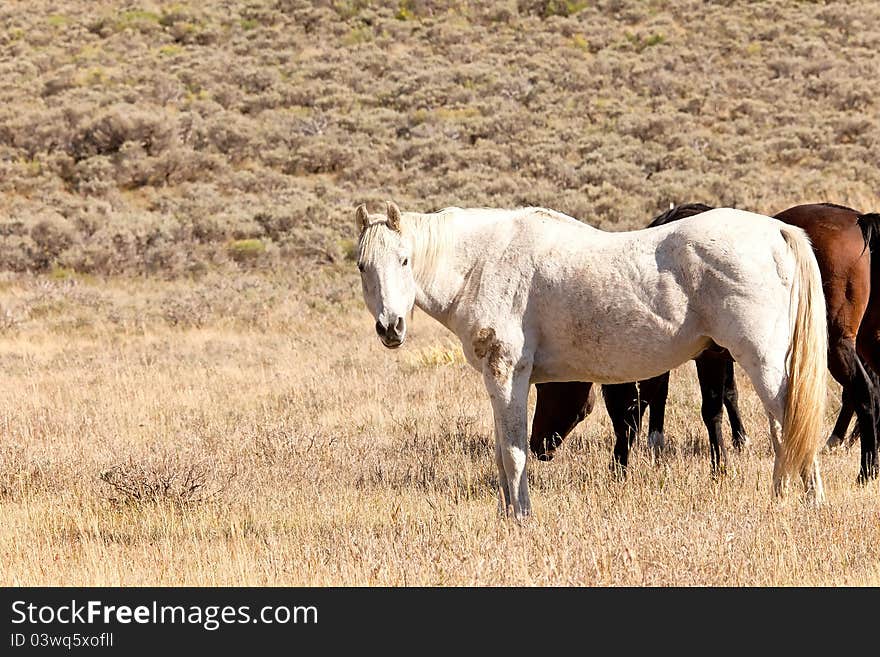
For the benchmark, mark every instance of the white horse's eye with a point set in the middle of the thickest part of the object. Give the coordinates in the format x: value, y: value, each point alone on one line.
x: 405, y: 262
x: 361, y: 266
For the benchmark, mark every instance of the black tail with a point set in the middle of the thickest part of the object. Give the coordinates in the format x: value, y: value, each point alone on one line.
x: 679, y: 212
x: 870, y: 225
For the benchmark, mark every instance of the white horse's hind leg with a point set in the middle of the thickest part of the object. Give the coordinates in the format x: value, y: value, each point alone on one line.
x: 815, y: 491
x: 509, y: 393
x: 775, y: 442
x: 771, y: 386
x: 813, y: 488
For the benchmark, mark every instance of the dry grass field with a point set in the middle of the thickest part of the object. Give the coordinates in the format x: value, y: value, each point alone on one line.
x: 277, y: 442
x: 192, y: 392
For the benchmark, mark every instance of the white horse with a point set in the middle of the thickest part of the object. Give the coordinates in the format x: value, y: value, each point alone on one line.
x: 537, y: 296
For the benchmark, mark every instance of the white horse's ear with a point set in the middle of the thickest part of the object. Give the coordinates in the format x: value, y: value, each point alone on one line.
x: 393, y: 213
x: 362, y: 218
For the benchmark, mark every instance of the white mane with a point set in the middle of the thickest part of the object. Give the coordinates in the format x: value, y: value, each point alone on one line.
x: 431, y: 235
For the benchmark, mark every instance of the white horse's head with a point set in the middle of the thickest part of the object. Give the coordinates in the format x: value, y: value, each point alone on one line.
x: 385, y: 259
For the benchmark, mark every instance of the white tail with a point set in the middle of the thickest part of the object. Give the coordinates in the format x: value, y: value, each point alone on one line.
x: 807, y: 363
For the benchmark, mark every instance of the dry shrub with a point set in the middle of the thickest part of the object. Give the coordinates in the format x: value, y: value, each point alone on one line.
x: 284, y: 447
x: 95, y: 176
x: 10, y: 319
x: 152, y: 128
x: 548, y: 8
x: 63, y: 292
x: 173, y: 480
x: 20, y: 473
x: 52, y: 235
x: 17, y: 252
x: 228, y: 133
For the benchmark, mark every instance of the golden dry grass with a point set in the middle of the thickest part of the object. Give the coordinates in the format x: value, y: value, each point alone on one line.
x: 354, y: 465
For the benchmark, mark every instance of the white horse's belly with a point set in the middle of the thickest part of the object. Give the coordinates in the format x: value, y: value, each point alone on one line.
x: 614, y: 362
x: 625, y: 326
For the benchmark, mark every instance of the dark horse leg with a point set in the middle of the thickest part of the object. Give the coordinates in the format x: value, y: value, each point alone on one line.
x: 846, y: 367
x: 868, y: 342
x: 711, y: 371
x: 655, y: 392
x: 558, y: 410
x: 731, y: 403
x: 625, y: 408
x: 838, y: 433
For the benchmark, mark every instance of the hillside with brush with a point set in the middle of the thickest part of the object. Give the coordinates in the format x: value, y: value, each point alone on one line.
x: 174, y: 138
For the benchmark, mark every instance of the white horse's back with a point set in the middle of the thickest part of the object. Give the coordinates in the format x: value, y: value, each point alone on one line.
x: 657, y: 295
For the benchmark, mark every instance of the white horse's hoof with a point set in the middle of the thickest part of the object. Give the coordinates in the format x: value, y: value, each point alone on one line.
x: 833, y: 442
x: 814, y: 497
x: 656, y: 441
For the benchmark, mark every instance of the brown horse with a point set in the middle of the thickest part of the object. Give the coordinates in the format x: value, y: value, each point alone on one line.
x: 868, y: 339
x: 559, y: 408
x: 841, y: 239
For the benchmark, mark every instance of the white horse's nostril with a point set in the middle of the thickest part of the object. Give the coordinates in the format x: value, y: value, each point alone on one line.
x: 399, y: 325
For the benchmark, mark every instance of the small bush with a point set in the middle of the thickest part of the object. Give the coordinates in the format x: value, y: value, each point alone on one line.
x: 152, y: 130
x: 18, y: 253
x: 547, y: 8
x: 52, y: 236
x: 169, y: 480
x: 20, y: 473
x: 246, y: 250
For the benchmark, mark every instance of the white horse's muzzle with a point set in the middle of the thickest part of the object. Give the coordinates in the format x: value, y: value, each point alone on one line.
x: 393, y: 333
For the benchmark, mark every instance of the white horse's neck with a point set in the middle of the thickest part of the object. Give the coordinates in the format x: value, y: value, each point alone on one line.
x: 433, y: 240
x: 449, y: 247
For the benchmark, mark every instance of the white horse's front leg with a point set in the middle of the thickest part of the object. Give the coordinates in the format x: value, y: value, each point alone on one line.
x: 775, y: 442
x: 503, y: 488
x: 509, y: 393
